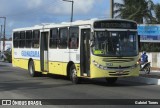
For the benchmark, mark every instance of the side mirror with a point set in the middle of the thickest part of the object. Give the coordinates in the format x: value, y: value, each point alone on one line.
x: 92, y: 43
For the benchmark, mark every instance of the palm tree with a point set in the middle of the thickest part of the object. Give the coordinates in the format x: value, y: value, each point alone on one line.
x: 136, y: 10
x: 157, y: 13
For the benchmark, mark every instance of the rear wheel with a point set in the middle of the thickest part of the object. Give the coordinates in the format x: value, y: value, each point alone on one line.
x: 73, y: 75
x: 111, y: 80
x: 31, y: 69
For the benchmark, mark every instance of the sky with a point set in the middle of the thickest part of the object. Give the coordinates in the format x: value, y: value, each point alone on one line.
x: 26, y: 13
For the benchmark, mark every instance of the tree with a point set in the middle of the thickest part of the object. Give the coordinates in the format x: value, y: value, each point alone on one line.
x: 157, y: 13
x: 136, y: 10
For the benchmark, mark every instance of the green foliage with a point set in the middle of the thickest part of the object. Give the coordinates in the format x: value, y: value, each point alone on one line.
x: 8, y: 55
x: 157, y: 12
x: 150, y: 47
x: 136, y: 10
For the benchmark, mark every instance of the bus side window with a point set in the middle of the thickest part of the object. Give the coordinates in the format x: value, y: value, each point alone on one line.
x: 28, y: 39
x: 16, y: 36
x: 53, y: 38
x: 73, y: 38
x: 35, y: 41
x: 22, y: 39
x: 63, y: 36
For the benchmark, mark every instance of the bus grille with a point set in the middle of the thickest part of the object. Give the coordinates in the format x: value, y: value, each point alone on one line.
x: 119, y: 73
x: 118, y: 60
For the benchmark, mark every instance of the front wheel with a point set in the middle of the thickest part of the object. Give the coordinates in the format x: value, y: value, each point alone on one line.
x: 73, y: 75
x: 111, y: 80
x: 31, y: 69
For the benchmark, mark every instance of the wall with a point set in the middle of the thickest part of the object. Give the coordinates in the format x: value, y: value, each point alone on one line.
x: 8, y: 44
x: 154, y: 58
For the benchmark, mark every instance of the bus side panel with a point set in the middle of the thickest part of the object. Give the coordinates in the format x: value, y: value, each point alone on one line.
x: 37, y: 65
x: 23, y: 63
x: 60, y: 58
x: 56, y: 68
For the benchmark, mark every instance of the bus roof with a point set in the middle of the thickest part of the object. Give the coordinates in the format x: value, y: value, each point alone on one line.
x: 63, y: 24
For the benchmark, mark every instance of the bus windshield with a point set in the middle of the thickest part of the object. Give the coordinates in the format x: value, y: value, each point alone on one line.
x: 113, y: 43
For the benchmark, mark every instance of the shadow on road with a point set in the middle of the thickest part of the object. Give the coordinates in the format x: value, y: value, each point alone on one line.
x: 102, y: 82
x: 9, y: 86
x: 15, y: 78
x: 3, y: 65
x: 61, y: 81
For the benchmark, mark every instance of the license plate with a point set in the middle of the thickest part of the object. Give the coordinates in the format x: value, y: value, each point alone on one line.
x: 119, y: 72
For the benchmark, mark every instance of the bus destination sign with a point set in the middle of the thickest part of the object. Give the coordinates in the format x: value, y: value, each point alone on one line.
x: 115, y: 24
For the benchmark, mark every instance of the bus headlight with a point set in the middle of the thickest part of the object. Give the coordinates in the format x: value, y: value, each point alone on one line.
x: 99, y: 65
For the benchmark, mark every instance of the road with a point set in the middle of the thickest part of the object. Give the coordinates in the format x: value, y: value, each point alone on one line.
x: 15, y: 83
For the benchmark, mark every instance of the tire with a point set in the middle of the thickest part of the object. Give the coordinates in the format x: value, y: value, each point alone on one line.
x: 31, y: 69
x: 147, y: 70
x: 111, y: 80
x: 73, y: 75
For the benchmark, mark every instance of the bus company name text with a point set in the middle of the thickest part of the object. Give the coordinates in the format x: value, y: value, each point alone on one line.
x: 30, y: 53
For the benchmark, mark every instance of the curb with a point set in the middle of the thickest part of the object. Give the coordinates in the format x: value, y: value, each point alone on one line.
x: 152, y: 81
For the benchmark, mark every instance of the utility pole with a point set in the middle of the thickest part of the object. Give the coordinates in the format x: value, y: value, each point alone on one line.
x: 1, y: 36
x: 111, y: 8
x: 4, y: 31
x: 71, y: 9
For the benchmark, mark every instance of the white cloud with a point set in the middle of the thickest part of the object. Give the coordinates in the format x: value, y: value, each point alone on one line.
x: 11, y: 23
x: 34, y: 3
x: 118, y: 1
x: 80, y: 6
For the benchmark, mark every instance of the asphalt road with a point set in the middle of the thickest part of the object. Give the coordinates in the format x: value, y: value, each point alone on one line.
x: 15, y: 83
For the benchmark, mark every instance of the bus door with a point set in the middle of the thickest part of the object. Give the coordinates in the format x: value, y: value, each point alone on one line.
x: 44, y: 51
x: 85, y: 52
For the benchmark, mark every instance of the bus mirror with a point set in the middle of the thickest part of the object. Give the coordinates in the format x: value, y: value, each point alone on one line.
x: 92, y: 44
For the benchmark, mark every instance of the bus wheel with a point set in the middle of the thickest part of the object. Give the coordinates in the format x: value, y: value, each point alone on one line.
x: 31, y: 69
x: 73, y: 75
x: 111, y: 80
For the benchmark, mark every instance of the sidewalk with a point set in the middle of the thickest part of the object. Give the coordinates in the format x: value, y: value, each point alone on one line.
x: 152, y: 79
x: 5, y: 63
x: 155, y: 73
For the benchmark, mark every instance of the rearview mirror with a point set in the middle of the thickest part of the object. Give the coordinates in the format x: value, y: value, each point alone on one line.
x: 92, y: 43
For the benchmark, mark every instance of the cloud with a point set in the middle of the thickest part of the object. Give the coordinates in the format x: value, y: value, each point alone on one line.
x: 80, y: 6
x: 34, y: 3
x: 23, y: 13
x: 118, y: 1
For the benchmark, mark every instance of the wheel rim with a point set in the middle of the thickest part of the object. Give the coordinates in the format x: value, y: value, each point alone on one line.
x: 31, y: 69
x: 146, y: 70
x: 74, y: 74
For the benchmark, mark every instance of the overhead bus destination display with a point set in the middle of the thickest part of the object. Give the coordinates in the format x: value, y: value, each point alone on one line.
x: 115, y: 24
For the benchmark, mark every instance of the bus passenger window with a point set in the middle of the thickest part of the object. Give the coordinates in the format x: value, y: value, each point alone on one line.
x: 53, y: 38
x: 63, y: 38
x: 22, y: 40
x: 73, y: 38
x: 28, y: 39
x: 35, y: 41
x: 16, y: 37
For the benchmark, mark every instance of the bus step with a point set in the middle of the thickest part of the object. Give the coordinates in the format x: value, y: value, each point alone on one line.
x: 84, y: 74
x: 45, y: 73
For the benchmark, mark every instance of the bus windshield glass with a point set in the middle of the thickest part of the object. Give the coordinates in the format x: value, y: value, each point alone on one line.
x: 113, y: 43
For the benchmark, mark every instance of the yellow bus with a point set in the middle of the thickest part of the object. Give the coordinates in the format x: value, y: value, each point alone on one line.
x: 96, y: 48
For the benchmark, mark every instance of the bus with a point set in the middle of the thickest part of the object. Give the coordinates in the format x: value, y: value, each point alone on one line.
x: 93, y: 48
